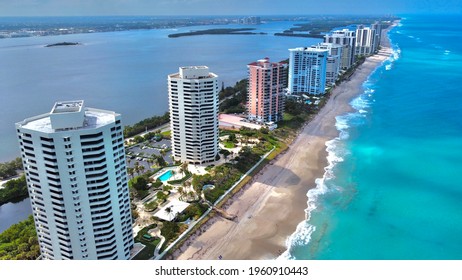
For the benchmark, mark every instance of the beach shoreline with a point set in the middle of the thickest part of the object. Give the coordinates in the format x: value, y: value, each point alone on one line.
x: 270, y: 207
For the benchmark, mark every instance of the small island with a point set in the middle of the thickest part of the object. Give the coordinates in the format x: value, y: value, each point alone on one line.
x: 218, y: 31
x: 63, y: 44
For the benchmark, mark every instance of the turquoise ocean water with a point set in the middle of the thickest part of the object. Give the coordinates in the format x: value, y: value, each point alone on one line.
x: 393, y: 188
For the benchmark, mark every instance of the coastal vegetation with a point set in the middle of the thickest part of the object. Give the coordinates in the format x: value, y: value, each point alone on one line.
x: 9, y: 169
x: 146, y: 124
x: 62, y: 44
x: 150, y: 243
x: 224, y: 176
x: 218, y: 31
x: 233, y: 99
x: 19, y: 242
x: 14, y: 190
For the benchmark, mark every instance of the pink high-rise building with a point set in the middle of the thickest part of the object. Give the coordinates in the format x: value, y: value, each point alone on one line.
x: 267, y: 81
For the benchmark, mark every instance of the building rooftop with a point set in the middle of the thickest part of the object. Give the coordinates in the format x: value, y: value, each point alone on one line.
x: 68, y: 115
x: 193, y: 72
x: 265, y: 62
x: 308, y: 49
x: 67, y: 107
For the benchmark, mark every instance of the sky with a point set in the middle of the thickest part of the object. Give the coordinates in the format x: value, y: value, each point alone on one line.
x: 224, y: 7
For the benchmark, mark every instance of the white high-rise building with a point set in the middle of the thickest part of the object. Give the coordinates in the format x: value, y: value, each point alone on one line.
x: 365, y: 40
x: 74, y: 161
x: 193, y: 103
x: 333, y: 60
x: 307, y: 71
x: 347, y: 39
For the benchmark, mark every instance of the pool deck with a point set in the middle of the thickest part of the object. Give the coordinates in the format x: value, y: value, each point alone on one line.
x: 178, y: 175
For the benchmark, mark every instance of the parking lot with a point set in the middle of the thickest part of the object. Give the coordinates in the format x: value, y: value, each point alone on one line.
x: 145, y: 153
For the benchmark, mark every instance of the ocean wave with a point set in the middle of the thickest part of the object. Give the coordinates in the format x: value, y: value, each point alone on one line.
x: 363, y: 101
x: 395, y: 55
x: 336, y: 153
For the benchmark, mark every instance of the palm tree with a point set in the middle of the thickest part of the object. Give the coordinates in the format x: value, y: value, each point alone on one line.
x: 150, y: 161
x: 184, y: 168
x: 130, y: 171
x: 142, y: 168
x: 169, y: 212
x: 181, y: 191
x: 137, y: 167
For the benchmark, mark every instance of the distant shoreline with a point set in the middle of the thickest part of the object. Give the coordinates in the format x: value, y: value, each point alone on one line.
x: 62, y: 44
x: 218, y: 31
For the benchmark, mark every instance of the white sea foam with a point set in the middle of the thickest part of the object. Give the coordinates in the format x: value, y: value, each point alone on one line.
x: 362, y: 102
x: 336, y: 153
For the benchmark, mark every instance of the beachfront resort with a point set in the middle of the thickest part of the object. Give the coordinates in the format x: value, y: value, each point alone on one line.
x: 80, y: 169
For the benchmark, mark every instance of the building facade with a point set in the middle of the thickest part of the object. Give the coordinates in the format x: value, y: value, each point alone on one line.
x: 267, y: 82
x: 307, y: 70
x: 333, y: 60
x: 347, y: 39
x: 377, y: 26
x: 365, y: 40
x: 193, y: 105
x: 74, y: 161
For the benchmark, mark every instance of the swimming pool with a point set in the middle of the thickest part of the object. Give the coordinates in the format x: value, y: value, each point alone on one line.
x: 167, y: 175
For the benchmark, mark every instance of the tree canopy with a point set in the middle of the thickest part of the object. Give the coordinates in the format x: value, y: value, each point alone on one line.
x: 19, y: 242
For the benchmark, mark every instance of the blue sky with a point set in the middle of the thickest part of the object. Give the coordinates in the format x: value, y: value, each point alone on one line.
x: 223, y: 7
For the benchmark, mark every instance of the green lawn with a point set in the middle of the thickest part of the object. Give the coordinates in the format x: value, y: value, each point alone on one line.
x: 167, y: 134
x: 148, y: 251
x: 287, y: 117
x: 229, y: 145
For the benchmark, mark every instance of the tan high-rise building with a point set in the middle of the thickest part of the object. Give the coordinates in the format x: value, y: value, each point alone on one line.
x: 267, y: 82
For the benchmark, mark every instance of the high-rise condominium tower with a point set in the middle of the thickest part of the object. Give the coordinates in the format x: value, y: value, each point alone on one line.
x: 74, y: 161
x: 333, y: 60
x: 193, y: 103
x: 365, y: 40
x: 307, y: 70
x: 377, y: 26
x: 347, y: 39
x: 267, y: 81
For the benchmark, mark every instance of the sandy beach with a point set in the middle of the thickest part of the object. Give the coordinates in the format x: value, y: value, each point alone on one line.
x: 271, y: 206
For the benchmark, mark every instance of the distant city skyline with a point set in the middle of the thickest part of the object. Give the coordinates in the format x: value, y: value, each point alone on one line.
x: 223, y: 7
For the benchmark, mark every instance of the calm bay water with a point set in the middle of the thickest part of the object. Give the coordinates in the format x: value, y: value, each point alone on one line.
x: 393, y: 189
x: 12, y: 213
x: 121, y: 71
